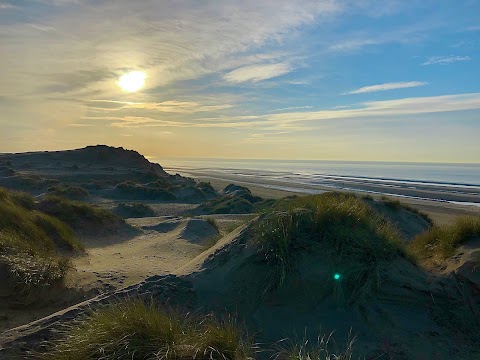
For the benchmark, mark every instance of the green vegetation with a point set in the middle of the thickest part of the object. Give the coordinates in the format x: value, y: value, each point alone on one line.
x: 158, y: 190
x: 441, y: 241
x: 396, y: 205
x: 75, y: 213
x: 340, y: 228
x: 237, y: 200
x: 213, y: 222
x: 136, y: 210
x: 68, y: 191
x: 132, y: 329
x: 29, y: 244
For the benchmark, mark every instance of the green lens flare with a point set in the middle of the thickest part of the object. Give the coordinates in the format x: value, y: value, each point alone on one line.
x: 336, y: 276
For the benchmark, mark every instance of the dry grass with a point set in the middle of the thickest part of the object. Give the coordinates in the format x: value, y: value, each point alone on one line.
x: 132, y: 329
x: 397, y: 205
x: 342, y: 229
x: 441, y: 241
x: 325, y: 348
x: 70, y: 210
x: 29, y: 244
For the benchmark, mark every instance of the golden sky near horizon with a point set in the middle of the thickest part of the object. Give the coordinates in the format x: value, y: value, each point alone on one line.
x: 298, y: 79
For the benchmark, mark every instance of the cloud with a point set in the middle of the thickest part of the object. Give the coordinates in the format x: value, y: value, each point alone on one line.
x: 171, y: 41
x: 292, y: 121
x: 406, y: 106
x: 294, y: 108
x: 6, y: 6
x: 353, y: 44
x: 171, y: 106
x: 445, y: 60
x: 256, y: 73
x: 387, y: 86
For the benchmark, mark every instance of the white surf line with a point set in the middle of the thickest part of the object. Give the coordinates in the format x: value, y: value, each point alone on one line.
x: 315, y: 191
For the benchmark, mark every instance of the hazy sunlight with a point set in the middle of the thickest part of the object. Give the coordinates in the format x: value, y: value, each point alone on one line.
x: 132, y: 81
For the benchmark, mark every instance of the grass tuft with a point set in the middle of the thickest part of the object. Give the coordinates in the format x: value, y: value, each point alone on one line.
x: 132, y: 329
x: 397, y: 205
x: 73, y: 211
x: 213, y: 222
x: 325, y: 348
x: 339, y: 228
x: 441, y: 241
x: 29, y: 244
x: 134, y: 210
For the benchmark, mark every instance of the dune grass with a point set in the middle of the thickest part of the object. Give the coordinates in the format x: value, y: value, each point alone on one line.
x: 68, y: 191
x: 132, y: 329
x: 441, y: 241
x: 325, y: 348
x: 213, y: 222
x: 71, y: 211
x: 134, y: 210
x: 29, y: 244
x: 340, y: 229
x: 397, y: 205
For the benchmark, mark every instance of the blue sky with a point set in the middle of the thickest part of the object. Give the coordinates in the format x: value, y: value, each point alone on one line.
x: 333, y: 79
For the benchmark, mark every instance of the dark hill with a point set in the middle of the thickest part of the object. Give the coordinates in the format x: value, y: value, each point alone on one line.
x: 99, y: 171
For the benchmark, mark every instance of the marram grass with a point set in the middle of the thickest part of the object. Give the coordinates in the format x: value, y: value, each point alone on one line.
x: 340, y: 229
x: 440, y: 242
x: 29, y: 244
x: 132, y: 329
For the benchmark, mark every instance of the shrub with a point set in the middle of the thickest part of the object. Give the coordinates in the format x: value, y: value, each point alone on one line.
x: 132, y: 329
x: 441, y: 241
x: 68, y: 191
x: 153, y: 191
x: 343, y: 229
x: 134, y: 210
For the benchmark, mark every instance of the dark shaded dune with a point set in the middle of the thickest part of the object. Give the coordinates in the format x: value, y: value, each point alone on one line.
x: 99, y: 155
x: 234, y: 200
x: 103, y: 171
x: 165, y: 225
x: 329, y: 261
x: 403, y: 302
x: 134, y: 210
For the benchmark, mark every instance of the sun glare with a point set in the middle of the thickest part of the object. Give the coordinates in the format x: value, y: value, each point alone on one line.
x: 132, y: 81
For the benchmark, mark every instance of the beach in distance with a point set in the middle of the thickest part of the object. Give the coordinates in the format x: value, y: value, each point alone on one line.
x: 443, y: 190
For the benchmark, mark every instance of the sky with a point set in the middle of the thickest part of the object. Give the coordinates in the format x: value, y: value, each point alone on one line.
x: 369, y: 80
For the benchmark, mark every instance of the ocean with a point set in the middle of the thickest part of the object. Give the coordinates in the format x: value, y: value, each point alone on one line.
x: 436, y: 181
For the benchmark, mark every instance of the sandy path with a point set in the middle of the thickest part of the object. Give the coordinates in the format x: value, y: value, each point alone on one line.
x: 150, y: 253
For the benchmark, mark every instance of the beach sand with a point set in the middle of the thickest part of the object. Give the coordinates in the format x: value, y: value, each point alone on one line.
x: 441, y: 212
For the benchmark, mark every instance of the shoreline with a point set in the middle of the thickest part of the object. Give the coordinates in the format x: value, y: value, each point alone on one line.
x: 441, y: 211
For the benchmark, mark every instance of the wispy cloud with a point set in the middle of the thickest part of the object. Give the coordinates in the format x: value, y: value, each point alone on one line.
x: 387, y: 86
x: 5, y: 6
x: 256, y: 73
x: 445, y: 60
x: 288, y: 121
x: 406, y: 106
x: 170, y: 106
x: 294, y: 108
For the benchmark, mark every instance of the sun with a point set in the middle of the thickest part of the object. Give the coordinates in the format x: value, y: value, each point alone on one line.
x: 132, y: 81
